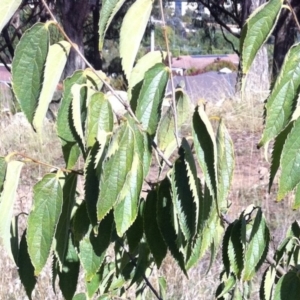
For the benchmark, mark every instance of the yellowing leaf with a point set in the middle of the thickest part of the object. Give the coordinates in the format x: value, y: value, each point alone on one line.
x: 8, y: 8
x: 7, y: 201
x: 132, y: 31
x: 55, y: 63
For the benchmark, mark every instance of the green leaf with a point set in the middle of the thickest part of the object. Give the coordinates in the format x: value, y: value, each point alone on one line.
x: 296, y: 204
x: 288, y: 287
x: 257, y: 29
x: 93, y: 248
x: 91, y: 184
x: 166, y: 129
x: 54, y: 66
x: 205, y: 148
x: 182, y: 197
x: 228, y: 285
x: 137, y: 17
x: 3, y: 166
x: 193, y: 179
x: 79, y: 109
x: 108, y: 11
x: 256, y: 250
x: 165, y: 219
x: 28, y: 67
x: 68, y: 276
x: 162, y: 282
x: 93, y: 286
x: 148, y: 61
x: 149, y: 103
x: 283, y: 99
x: 153, y: 235
x: 100, y: 120
x: 25, y: 267
x: 43, y: 219
x: 277, y: 151
x: 60, y: 242
x: 65, y: 127
x: 122, y: 178
x: 290, y: 162
x: 81, y: 223
x: 80, y: 296
x: 235, y: 250
x: 267, y: 284
x: 142, y: 264
x: 7, y: 200
x: 135, y: 232
x: 225, y: 165
x: 8, y: 8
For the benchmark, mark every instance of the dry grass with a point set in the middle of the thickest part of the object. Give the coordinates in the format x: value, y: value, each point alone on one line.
x: 244, y: 121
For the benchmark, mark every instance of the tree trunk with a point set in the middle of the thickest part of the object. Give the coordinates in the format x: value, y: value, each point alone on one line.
x: 74, y: 14
x: 285, y: 34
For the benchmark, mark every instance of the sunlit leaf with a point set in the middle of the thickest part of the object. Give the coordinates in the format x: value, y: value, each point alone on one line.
x: 257, y: 29
x: 290, y: 162
x: 282, y: 101
x: 7, y: 200
x: 136, y: 17
x: 108, y: 10
x: 150, y: 99
x: 55, y: 63
x: 8, y: 8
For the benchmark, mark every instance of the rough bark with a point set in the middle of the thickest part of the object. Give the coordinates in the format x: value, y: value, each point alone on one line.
x: 74, y: 14
x: 285, y: 33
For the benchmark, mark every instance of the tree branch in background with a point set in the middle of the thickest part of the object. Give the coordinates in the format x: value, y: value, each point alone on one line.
x: 229, y: 42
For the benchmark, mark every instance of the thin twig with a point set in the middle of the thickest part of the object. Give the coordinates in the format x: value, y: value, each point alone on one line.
x: 124, y: 103
x: 30, y: 159
x: 171, y: 74
x: 269, y: 258
x: 144, y: 276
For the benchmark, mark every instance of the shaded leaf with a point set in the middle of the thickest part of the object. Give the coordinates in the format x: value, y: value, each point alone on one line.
x: 28, y: 67
x: 81, y: 223
x: 61, y: 238
x: 25, y: 267
x: 93, y: 248
x: 7, y: 200
x: 288, y: 287
x: 165, y: 219
x: 65, y: 127
x: 153, y: 235
x: 137, y: 17
x: 205, y: 148
x: 68, y: 276
x: 43, y: 219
